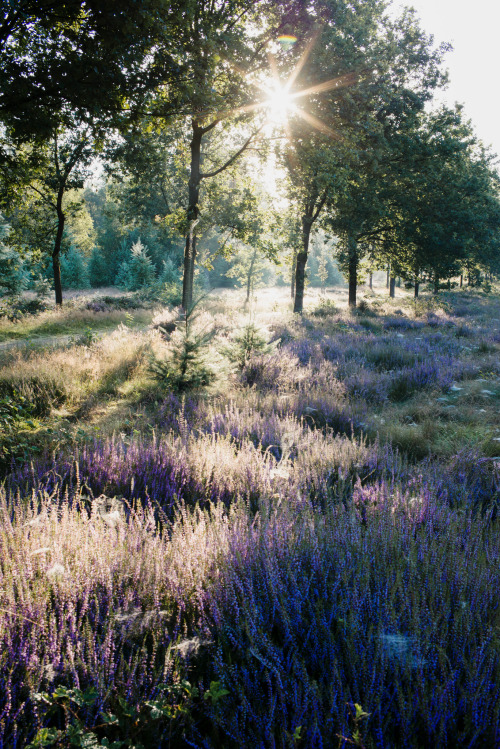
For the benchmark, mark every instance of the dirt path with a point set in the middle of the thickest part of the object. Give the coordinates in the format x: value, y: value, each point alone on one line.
x: 52, y: 340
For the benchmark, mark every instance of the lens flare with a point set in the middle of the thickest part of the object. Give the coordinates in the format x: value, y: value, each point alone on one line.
x: 279, y: 103
x: 286, y: 41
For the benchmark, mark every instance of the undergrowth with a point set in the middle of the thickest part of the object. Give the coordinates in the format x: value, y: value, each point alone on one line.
x: 304, y: 555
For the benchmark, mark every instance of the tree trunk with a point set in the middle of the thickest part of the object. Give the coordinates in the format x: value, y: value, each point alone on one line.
x: 370, y: 280
x: 436, y: 284
x: 56, y: 252
x: 353, y: 270
x: 250, y: 275
x: 192, y: 217
x: 300, y: 269
x: 294, y: 270
x: 392, y: 287
x: 388, y: 276
x: 461, y: 280
x: 398, y: 282
x: 417, y: 284
x: 249, y: 288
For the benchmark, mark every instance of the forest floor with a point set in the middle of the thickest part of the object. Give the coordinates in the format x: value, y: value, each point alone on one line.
x: 303, y: 553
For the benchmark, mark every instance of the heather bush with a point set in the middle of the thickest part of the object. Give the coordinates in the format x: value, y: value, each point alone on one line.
x: 325, y: 308
x: 283, y: 619
x: 309, y: 561
x: 389, y: 356
x: 276, y: 371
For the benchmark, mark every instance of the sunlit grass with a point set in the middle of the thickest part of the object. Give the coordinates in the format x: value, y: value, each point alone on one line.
x: 316, y: 529
x: 69, y: 321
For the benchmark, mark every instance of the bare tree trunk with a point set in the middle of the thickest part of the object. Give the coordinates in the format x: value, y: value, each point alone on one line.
x: 192, y: 217
x: 417, y: 285
x: 388, y: 276
x: 56, y: 252
x: 436, y: 284
x: 294, y: 270
x: 250, y: 275
x: 312, y: 209
x: 370, y: 280
x: 353, y: 270
x: 300, y: 269
x: 461, y: 280
x: 392, y: 287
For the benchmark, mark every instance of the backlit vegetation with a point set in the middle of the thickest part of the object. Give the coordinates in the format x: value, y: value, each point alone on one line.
x: 242, y: 565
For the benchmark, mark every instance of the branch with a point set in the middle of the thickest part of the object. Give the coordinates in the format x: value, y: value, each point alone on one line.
x: 164, y: 195
x: 233, y: 158
x: 320, y: 205
x: 207, y: 128
x: 44, y: 198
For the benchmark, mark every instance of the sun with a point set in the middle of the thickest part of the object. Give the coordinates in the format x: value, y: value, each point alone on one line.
x: 279, y: 103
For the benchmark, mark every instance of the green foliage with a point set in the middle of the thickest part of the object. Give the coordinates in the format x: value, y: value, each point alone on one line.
x: 186, y: 367
x: 357, y: 716
x: 138, y: 271
x: 17, y: 417
x: 215, y: 693
x: 12, y: 277
x: 12, y: 274
x: 14, y: 408
x: 247, y: 342
x: 325, y: 308
x: 121, y: 724
x: 161, y: 292
x: 87, y: 338
x: 74, y: 272
x: 15, y: 308
x: 121, y: 302
x: 250, y: 268
x: 39, y: 394
x: 41, y: 286
x: 169, y: 274
x: 98, y: 269
x: 322, y: 268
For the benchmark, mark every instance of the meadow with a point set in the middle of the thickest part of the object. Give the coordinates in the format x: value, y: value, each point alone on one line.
x: 301, y: 551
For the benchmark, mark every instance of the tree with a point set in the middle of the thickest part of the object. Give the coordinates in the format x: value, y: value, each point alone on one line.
x: 445, y: 204
x: 137, y: 271
x: 87, y: 57
x: 41, y: 178
x: 74, y: 272
x: 368, y: 65
x: 12, y: 276
x: 70, y: 69
x: 222, y: 57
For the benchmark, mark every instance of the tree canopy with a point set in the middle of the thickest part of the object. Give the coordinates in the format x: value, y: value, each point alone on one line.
x: 174, y: 96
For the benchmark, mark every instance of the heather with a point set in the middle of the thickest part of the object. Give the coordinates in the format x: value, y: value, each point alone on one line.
x: 242, y: 563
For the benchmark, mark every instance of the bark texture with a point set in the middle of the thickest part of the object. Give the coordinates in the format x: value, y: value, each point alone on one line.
x: 193, y: 212
x: 353, y: 270
x: 300, y: 268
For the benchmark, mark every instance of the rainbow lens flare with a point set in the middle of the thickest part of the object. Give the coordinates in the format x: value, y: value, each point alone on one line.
x: 287, y: 41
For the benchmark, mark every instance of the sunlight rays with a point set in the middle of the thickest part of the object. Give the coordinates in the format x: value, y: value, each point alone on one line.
x: 279, y: 102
